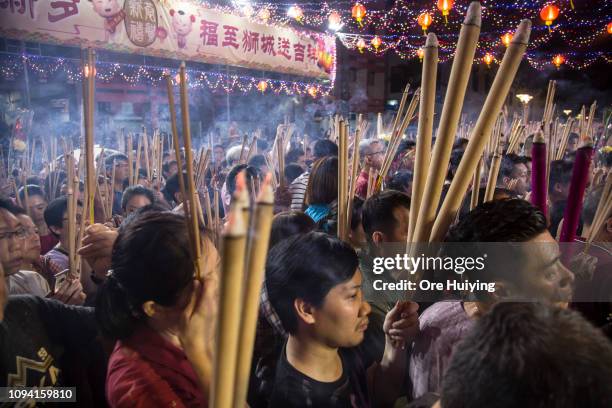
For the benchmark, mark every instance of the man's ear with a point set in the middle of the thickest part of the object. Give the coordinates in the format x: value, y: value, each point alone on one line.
x: 152, y: 309
x: 558, y: 188
x: 503, y: 290
x: 304, y: 310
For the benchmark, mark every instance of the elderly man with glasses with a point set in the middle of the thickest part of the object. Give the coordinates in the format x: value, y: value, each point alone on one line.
x: 372, y: 152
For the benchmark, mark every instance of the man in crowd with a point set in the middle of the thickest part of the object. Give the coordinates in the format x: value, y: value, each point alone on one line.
x: 531, y: 271
x: 514, y: 175
x: 558, y: 190
x: 136, y: 197
x: 372, y: 152
x: 37, y: 204
x: 529, y: 355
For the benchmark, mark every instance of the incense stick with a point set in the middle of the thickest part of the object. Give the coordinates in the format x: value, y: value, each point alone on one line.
x: 482, y: 130
x: 232, y: 265
x: 258, y: 249
x: 453, y: 103
x: 425, y: 127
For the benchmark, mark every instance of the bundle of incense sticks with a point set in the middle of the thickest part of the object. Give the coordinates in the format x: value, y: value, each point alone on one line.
x: 191, y: 196
x: 425, y: 127
x: 587, y: 133
x: 549, y: 103
x: 280, y: 158
x: 252, y: 149
x: 482, y: 130
x: 539, y: 184
x: 580, y: 177
x: 396, y: 138
x: 354, y: 173
x: 138, y: 157
x: 493, y: 170
x: 447, y: 128
x: 372, y: 177
x: 194, y: 234
x: 514, y: 138
x: 602, y: 213
x: 476, y: 185
x: 342, y: 182
x: 243, y: 152
x: 89, y: 78
x: 564, y: 139
x: 130, y: 155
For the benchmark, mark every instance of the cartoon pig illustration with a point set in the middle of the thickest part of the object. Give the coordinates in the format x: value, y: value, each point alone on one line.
x: 182, y: 23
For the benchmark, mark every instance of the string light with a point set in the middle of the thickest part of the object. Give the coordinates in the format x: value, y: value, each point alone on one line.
x: 11, y: 66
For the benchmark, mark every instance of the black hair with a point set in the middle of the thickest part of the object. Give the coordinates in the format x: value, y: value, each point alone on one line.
x: 34, y: 180
x: 230, y: 181
x: 132, y: 191
x: 166, y: 166
x: 400, y: 181
x: 455, y: 159
x: 460, y: 143
x: 32, y: 191
x: 61, y: 177
x: 604, y: 157
x: 172, y: 186
x: 110, y: 160
x: 8, y: 205
x: 323, y: 181
x: 357, y: 212
x: 54, y: 213
x: 150, y: 262
x: 377, y: 212
x: 257, y: 161
x: 323, y: 148
x: 293, y: 171
x: 512, y: 220
x: 573, y: 136
x: 288, y: 277
x: 560, y: 172
x: 293, y: 155
x: 530, y: 355
x: 288, y: 223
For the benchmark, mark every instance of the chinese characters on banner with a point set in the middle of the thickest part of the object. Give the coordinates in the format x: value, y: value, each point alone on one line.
x: 170, y: 29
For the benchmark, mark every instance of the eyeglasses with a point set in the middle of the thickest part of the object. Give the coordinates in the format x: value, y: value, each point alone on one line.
x: 20, y: 233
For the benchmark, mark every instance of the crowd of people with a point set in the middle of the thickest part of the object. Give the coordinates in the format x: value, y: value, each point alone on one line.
x: 135, y: 328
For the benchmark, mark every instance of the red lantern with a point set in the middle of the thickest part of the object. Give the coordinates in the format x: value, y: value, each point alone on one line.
x: 312, y: 91
x: 488, y: 59
x: 262, y: 86
x: 424, y: 21
x: 361, y: 45
x: 376, y: 42
x: 421, y: 53
x: 549, y: 14
x: 358, y: 12
x: 506, y: 38
x: 609, y: 27
x: 445, y: 6
x: 558, y: 60
x: 334, y: 20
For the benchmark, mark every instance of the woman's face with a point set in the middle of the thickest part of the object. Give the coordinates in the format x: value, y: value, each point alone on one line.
x: 343, y: 318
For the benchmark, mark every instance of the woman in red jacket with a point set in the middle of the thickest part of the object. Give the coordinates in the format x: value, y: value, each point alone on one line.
x: 161, y: 316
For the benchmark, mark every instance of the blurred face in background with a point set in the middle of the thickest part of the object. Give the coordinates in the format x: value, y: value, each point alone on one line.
x: 219, y: 155
x: 12, y: 236
x: 31, y: 243
x: 37, y: 205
